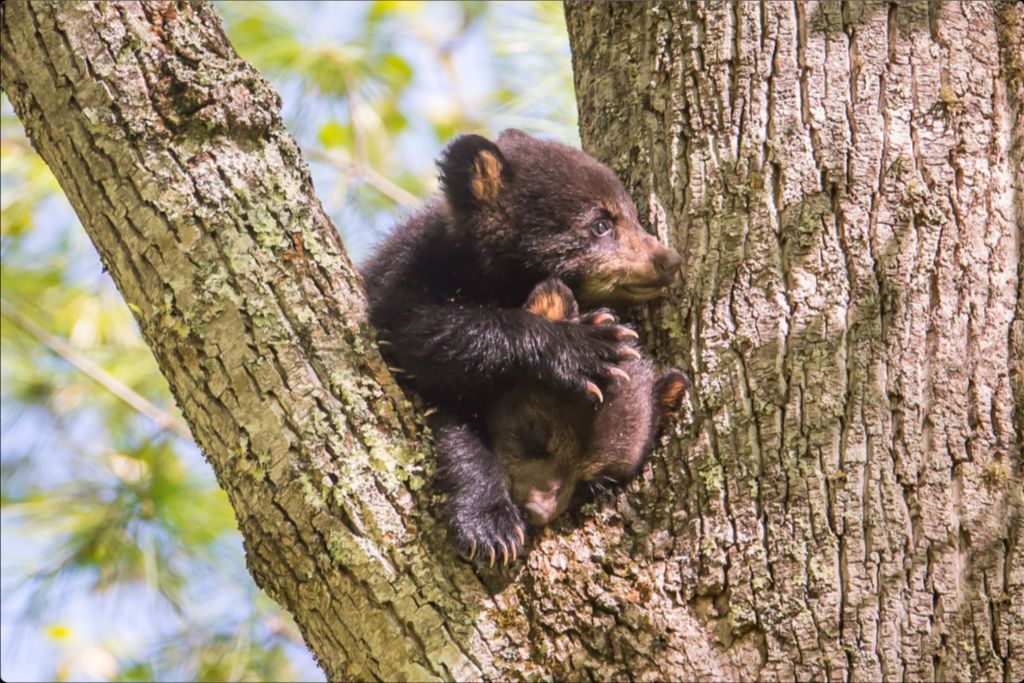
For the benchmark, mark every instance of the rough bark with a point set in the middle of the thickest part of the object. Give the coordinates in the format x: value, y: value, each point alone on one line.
x: 172, y: 152
x: 844, y: 181
x: 844, y: 502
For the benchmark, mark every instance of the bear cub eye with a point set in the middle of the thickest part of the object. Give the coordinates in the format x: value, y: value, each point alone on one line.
x: 600, y: 227
x: 536, y: 454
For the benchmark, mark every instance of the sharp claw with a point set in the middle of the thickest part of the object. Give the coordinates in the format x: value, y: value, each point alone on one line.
x: 626, y: 333
x: 504, y: 554
x: 472, y: 550
x: 629, y: 352
x: 522, y: 537
x: 490, y: 555
x: 619, y: 372
x: 594, y: 391
x: 515, y: 554
x: 602, y: 318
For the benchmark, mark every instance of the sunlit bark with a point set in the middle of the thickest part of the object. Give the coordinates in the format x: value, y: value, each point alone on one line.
x: 844, y: 180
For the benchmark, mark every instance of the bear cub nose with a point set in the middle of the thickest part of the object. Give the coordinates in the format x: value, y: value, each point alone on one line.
x: 667, y: 261
x: 537, y: 513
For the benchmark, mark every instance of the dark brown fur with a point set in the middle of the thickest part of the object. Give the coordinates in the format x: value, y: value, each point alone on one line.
x: 556, y: 446
x: 446, y: 291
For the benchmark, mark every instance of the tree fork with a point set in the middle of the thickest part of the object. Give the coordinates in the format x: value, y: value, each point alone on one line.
x: 846, y: 503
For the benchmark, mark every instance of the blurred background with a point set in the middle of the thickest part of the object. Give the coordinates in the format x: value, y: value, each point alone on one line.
x: 120, y: 556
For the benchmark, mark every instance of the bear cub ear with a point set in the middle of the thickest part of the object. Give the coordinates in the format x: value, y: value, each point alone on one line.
x: 551, y: 299
x: 473, y: 172
x: 670, y: 391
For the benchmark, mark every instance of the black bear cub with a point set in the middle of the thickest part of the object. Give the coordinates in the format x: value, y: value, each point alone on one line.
x: 555, y: 448
x: 446, y: 293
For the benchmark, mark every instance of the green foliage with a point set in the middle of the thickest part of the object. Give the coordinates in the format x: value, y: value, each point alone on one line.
x: 408, y: 76
x: 121, y: 558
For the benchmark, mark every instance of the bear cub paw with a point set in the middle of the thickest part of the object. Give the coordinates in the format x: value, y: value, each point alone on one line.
x: 489, y: 536
x: 593, y: 345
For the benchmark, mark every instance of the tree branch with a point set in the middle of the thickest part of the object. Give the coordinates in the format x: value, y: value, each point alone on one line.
x: 172, y: 152
x: 138, y: 403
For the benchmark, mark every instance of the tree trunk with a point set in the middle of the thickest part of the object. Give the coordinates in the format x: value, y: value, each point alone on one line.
x: 844, y: 181
x: 846, y: 500
x: 172, y: 152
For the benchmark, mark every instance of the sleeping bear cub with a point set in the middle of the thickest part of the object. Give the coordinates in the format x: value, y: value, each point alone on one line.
x: 556, y: 449
x: 446, y: 293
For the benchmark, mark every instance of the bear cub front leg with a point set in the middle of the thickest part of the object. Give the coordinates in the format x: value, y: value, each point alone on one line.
x: 593, y: 345
x: 483, y: 522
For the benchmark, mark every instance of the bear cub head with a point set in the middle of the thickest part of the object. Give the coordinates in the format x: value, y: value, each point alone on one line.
x: 558, y: 449
x: 533, y: 209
